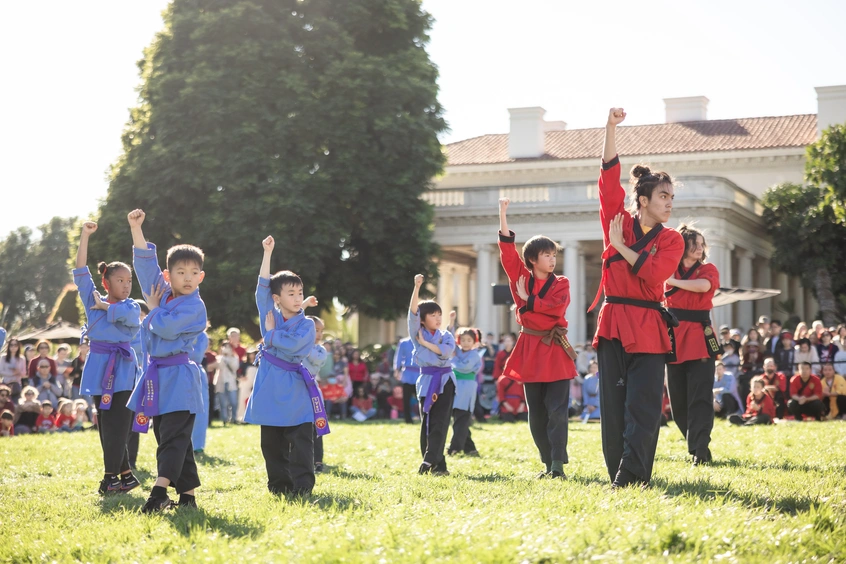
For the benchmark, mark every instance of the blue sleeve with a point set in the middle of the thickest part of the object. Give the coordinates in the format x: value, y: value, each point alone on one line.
x: 413, y: 326
x: 294, y: 340
x: 169, y: 325
x: 319, y: 357
x: 2, y: 337
x: 147, y: 268
x: 85, y: 287
x: 264, y: 301
x: 398, y: 358
x: 200, y: 347
x: 476, y: 364
x: 127, y: 313
x: 447, y: 345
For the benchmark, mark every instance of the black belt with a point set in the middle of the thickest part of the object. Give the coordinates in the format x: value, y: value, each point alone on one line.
x: 702, y: 316
x: 666, y: 314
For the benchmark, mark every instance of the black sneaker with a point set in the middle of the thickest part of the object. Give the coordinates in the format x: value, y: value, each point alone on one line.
x: 473, y: 453
x: 128, y: 482
x: 187, y: 501
x: 424, y: 469
x: 318, y: 467
x: 110, y: 486
x: 451, y: 452
x: 157, y: 505
x: 625, y: 478
x: 702, y: 457
x: 555, y: 474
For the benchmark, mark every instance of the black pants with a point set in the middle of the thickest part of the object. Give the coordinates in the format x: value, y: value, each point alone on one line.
x: 512, y: 417
x: 132, y: 447
x: 462, y: 439
x: 762, y: 419
x: 434, y: 426
x: 114, y: 425
x: 728, y: 407
x: 175, y: 453
x: 211, y: 402
x: 318, y: 447
x: 408, y: 392
x: 690, y: 385
x: 548, y: 404
x: 810, y: 408
x: 631, y: 389
x: 289, y: 458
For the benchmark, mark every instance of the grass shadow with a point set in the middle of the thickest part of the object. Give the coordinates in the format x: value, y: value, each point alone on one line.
x: 186, y: 520
x: 708, y: 491
x: 781, y: 466
x: 329, y: 501
x: 210, y: 460
x: 341, y: 473
x: 121, y: 502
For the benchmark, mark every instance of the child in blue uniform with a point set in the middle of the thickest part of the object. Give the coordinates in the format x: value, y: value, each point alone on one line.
x: 139, y: 345
x: 433, y: 349
x: 314, y: 362
x: 111, y: 368
x: 466, y: 364
x: 170, y: 391
x: 201, y: 423
x: 407, y: 373
x: 285, y: 400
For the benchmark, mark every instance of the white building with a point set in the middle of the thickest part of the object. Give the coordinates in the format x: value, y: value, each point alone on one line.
x: 550, y: 174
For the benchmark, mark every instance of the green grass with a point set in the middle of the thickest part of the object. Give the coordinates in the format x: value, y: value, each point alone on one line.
x: 774, y: 494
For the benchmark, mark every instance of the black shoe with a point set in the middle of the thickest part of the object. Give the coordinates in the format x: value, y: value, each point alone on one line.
x: 451, y: 452
x: 543, y: 475
x: 555, y: 474
x: 473, y: 453
x: 318, y: 467
x: 702, y: 458
x: 157, y: 505
x: 110, y: 486
x: 425, y: 469
x: 187, y: 501
x: 625, y: 478
x: 128, y: 482
x: 300, y: 492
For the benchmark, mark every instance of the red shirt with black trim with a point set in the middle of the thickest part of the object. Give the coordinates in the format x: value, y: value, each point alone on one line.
x: 812, y: 388
x: 532, y: 360
x: 690, y: 335
x: 765, y: 406
x: 640, y: 330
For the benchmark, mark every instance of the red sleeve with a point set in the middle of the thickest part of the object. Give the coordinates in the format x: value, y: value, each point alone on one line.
x: 782, y: 382
x: 794, y: 385
x: 612, y: 196
x: 513, y: 265
x: 499, y: 364
x: 33, y: 367
x: 656, y: 267
x: 768, y: 406
x: 555, y: 303
x: 500, y: 389
x: 749, y: 399
x: 710, y: 273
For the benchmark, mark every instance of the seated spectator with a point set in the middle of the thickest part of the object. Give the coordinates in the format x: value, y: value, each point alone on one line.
x: 362, y: 406
x: 726, y: 400
x: 64, y: 368
x: 577, y: 394
x: 503, y: 354
x: 46, y: 383
x: 585, y: 356
x: 759, y: 407
x: 744, y: 377
x: 666, y: 410
x: 826, y: 349
x: 334, y: 394
x: 590, y: 394
x: 805, y: 394
x: 7, y: 424
x: 80, y: 414
x: 512, y: 400
x: 730, y: 358
x: 775, y: 384
x: 804, y: 352
x: 226, y: 383
x: 65, y: 417
x: 840, y: 337
x: 751, y: 356
x: 6, y: 402
x: 840, y: 361
x: 382, y: 391
x: 817, y: 327
x: 43, y: 351
x: 46, y: 422
x: 395, y: 401
x: 77, y: 365
x: 724, y: 334
x: 28, y: 411
x: 13, y: 368
x: 801, y: 331
x: 784, y: 354
x: 833, y: 391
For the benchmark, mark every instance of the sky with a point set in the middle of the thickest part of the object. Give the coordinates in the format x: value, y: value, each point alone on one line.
x: 69, y: 74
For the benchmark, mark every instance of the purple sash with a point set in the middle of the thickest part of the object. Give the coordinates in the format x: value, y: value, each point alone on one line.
x: 321, y: 421
x: 108, y: 382
x: 436, y: 386
x: 147, y: 402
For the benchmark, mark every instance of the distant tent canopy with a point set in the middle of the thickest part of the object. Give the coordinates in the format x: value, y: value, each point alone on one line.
x: 61, y: 331
x: 726, y: 296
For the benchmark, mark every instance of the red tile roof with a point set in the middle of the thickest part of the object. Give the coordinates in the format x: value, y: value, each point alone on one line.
x: 660, y: 139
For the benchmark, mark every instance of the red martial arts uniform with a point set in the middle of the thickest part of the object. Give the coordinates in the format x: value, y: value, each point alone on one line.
x: 640, y: 330
x: 510, y: 393
x: 812, y: 388
x: 765, y: 406
x: 532, y: 361
x: 690, y: 335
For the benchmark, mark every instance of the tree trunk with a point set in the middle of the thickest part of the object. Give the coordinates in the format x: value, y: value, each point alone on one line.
x: 828, y: 305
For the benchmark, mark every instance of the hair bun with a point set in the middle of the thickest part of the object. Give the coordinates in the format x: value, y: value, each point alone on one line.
x: 639, y: 171
x: 101, y: 267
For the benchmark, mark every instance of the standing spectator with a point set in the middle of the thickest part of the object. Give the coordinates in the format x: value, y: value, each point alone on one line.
x: 46, y: 383
x: 210, y: 366
x: 340, y: 368
x: 726, y: 399
x: 234, y: 336
x: 226, y: 383
x: 13, y: 368
x: 801, y: 331
x: 775, y: 384
x: 64, y: 368
x: 406, y: 372
x: 590, y: 397
x: 42, y: 348
x: 804, y: 352
x: 28, y: 411
x: 246, y: 382
x: 503, y: 354
x: 817, y: 328
x: 785, y: 352
x: 833, y: 391
x: 752, y: 339
x: 763, y: 327
x: 759, y: 407
x: 805, y: 394
x: 826, y: 349
x: 771, y: 342
x: 730, y: 358
x: 489, y: 355
x: 77, y: 364
x: 29, y: 355
x: 357, y: 371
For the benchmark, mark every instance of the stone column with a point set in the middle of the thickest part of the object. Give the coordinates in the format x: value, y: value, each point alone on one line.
x: 464, y: 295
x: 797, y: 294
x: 764, y: 280
x: 484, y: 308
x: 744, y: 280
x: 720, y: 256
x: 575, y: 313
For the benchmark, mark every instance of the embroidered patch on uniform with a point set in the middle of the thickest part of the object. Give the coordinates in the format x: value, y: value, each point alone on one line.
x: 106, y: 399
x: 653, y: 250
x: 315, y: 403
x: 621, y: 382
x: 142, y: 419
x: 320, y: 423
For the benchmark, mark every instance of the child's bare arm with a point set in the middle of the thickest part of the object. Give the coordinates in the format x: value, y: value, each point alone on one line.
x: 268, y: 245
x: 88, y: 228
x: 136, y: 219
x: 503, y: 223
x: 415, y: 295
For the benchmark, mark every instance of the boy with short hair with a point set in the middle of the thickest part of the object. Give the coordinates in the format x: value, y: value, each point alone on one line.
x: 285, y: 400
x: 169, y: 392
x: 46, y: 422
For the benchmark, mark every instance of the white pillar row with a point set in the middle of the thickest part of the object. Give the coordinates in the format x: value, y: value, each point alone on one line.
x: 797, y: 294
x: 484, y: 308
x: 720, y: 256
x: 812, y: 306
x: 445, y: 288
x: 464, y: 295
x: 764, y: 279
x: 744, y: 280
x: 500, y: 313
x: 581, y: 292
x: 574, y: 314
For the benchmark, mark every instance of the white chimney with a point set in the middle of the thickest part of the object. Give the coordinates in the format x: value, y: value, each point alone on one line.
x: 526, y: 137
x: 831, y: 106
x: 555, y: 126
x: 690, y: 108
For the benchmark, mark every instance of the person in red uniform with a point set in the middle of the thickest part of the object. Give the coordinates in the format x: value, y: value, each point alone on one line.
x: 760, y: 409
x: 542, y: 359
x: 632, y: 340
x: 805, y: 394
x: 775, y: 385
x: 690, y: 379
x: 512, y: 400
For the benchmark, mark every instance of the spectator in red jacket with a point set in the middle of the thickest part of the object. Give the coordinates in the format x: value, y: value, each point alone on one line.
x: 358, y: 371
x: 805, y: 394
x: 503, y: 354
x: 760, y: 409
x: 43, y: 349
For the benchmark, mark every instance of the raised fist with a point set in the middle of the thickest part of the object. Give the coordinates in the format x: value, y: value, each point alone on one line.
x: 616, y: 116
x: 89, y: 227
x: 136, y: 218
x: 503, y: 203
x: 418, y: 280
x: 268, y: 243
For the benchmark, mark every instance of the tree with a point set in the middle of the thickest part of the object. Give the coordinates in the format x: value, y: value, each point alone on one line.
x: 314, y: 121
x: 826, y: 167
x: 808, y: 241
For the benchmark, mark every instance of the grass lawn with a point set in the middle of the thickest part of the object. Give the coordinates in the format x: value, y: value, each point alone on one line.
x: 773, y: 494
